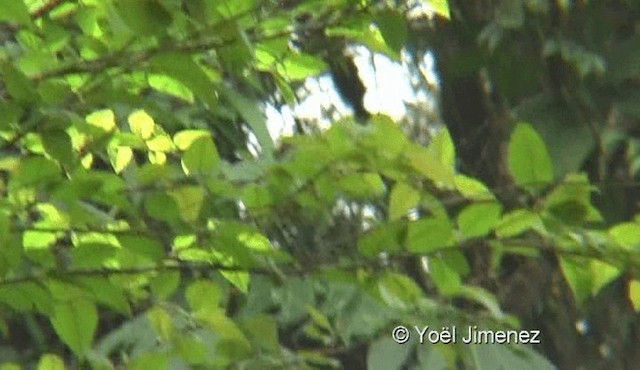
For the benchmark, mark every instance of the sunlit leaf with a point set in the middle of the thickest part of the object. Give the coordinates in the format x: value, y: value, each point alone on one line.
x: 120, y: 158
x: 297, y: 67
x: 184, y: 139
x: 141, y: 124
x: 104, y: 119
x: 440, y: 7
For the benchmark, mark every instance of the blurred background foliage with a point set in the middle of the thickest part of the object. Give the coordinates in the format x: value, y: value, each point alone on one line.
x: 166, y: 202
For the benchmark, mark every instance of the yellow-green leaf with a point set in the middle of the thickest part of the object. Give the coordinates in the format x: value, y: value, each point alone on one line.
x: 104, y: 119
x: 141, y: 124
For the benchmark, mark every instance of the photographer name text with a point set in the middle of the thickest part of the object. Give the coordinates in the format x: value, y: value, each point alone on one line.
x: 466, y: 335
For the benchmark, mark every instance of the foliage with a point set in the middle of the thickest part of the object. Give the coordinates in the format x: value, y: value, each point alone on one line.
x: 138, y: 230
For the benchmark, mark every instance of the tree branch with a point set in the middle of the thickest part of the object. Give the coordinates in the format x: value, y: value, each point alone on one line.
x: 47, y: 8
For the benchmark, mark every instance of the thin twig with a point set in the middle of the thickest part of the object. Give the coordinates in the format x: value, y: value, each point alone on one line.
x: 47, y: 8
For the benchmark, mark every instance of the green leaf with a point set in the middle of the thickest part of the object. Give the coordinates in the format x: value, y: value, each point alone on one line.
x: 398, y: 290
x: 570, y: 201
x: 165, y: 284
x: 185, y: 138
x: 516, y: 222
x: 120, y: 157
x: 634, y: 294
x: 35, y: 239
x: 161, y: 322
x: 248, y: 110
x: 473, y: 189
x: 440, y: 7
x: 50, y: 361
x: 447, y: 279
x: 490, y: 356
x: 15, y: 11
x: 57, y: 144
x: 17, y: 84
x: 263, y: 332
x: 150, y: 360
x: 26, y: 297
x: 144, y: 16
x: 602, y: 274
x: 201, y: 157
x: 104, y: 119
x: 483, y: 297
x: 35, y: 171
x: 239, y: 279
x: 362, y: 185
x: 587, y: 276
x: 204, y: 296
x: 160, y: 143
x: 189, y: 201
x: 427, y: 164
x: 76, y: 322
x: 393, y: 28
x: 443, y: 149
x: 627, y: 234
x: 143, y: 246
x: 386, y: 354
x: 107, y: 293
x: 170, y: 86
x: 429, y: 234
x: 181, y: 67
x: 528, y: 159
x: 164, y: 207
x: 403, y: 198
x: 384, y: 238
x: 297, y: 67
x: 477, y: 220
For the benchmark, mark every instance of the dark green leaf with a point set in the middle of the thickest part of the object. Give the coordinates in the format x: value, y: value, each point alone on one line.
x: 393, y: 29
x: 144, y: 16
